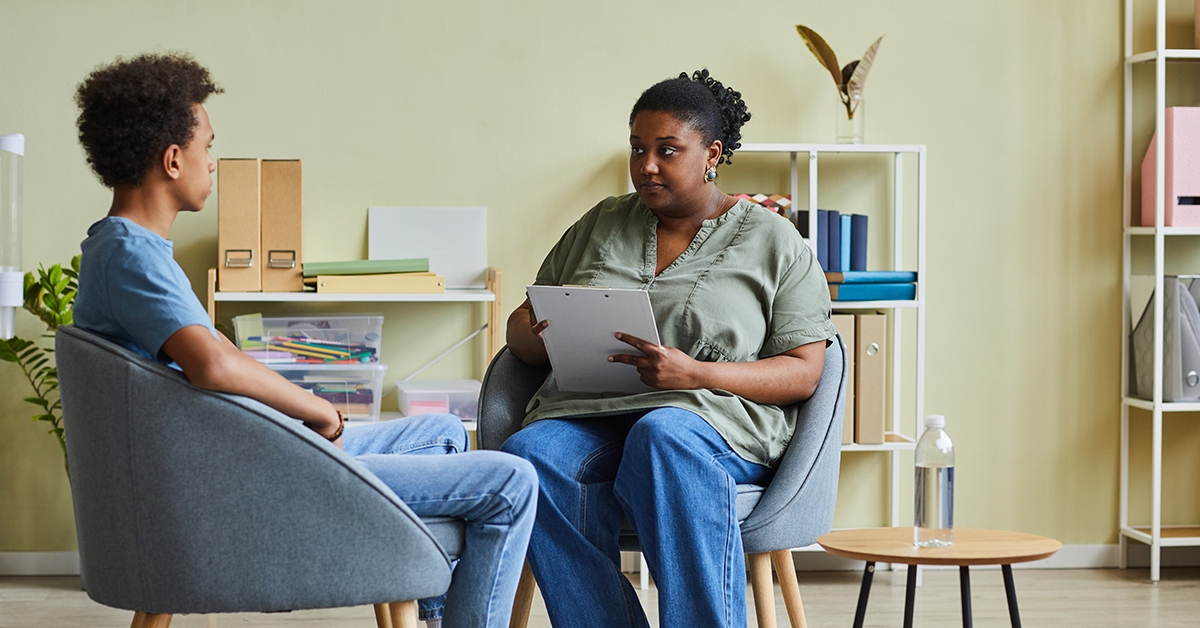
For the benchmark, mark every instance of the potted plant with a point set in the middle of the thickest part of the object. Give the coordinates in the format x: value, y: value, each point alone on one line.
x: 850, y: 80
x: 50, y: 295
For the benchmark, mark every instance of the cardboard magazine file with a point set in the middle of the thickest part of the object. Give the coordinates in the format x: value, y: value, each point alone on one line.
x: 870, y: 377
x: 845, y: 326
x: 239, y: 225
x: 1181, y: 343
x: 282, y: 225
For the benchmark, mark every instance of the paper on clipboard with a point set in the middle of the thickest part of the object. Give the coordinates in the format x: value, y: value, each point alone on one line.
x: 581, y: 335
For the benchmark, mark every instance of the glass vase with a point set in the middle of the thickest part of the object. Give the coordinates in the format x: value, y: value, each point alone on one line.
x: 850, y: 119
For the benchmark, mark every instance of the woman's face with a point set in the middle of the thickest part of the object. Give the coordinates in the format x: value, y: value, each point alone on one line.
x: 667, y: 163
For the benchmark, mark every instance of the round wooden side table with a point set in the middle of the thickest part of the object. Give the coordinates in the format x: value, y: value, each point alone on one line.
x: 971, y: 547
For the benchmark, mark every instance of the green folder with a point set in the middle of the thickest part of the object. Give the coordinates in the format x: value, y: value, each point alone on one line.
x: 367, y: 267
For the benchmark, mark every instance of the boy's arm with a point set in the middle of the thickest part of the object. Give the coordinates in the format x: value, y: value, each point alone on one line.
x: 215, y: 364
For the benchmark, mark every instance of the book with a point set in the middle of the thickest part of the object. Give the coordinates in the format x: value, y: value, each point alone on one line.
x: 367, y: 267
x: 823, y: 238
x: 410, y: 283
x: 846, y: 241
x: 858, y: 242
x: 834, y: 226
x: 873, y: 291
x: 872, y: 276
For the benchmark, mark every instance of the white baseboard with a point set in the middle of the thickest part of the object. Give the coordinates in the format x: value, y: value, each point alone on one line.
x: 39, y: 563
x: 1069, y: 557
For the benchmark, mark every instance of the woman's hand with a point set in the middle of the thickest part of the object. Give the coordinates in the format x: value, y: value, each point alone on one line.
x: 524, y: 335
x: 663, y: 367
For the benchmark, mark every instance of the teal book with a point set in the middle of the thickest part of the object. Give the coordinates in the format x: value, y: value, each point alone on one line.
x: 367, y: 267
x: 872, y: 291
x: 872, y: 276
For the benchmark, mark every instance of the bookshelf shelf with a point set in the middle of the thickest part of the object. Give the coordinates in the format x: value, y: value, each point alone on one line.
x: 451, y: 296
x: 1148, y: 405
x: 489, y: 296
x: 805, y: 158
x: 1156, y: 535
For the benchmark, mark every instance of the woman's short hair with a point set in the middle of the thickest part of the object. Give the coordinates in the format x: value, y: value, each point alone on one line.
x: 131, y: 111
x: 702, y: 102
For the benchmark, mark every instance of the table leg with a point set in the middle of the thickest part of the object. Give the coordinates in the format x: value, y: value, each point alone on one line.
x: 910, y: 593
x: 861, y: 612
x: 964, y: 584
x: 1010, y: 590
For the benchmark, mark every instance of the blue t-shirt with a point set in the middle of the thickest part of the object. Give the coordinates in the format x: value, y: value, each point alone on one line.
x: 132, y: 290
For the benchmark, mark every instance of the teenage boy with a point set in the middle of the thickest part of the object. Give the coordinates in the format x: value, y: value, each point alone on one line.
x: 147, y: 135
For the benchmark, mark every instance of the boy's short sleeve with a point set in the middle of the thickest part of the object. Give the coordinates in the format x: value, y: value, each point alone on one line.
x: 151, y: 299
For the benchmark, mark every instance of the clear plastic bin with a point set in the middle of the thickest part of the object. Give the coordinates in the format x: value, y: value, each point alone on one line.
x: 355, y: 390
x: 330, y: 339
x: 457, y: 397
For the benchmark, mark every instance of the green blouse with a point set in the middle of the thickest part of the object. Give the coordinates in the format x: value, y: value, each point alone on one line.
x: 746, y: 288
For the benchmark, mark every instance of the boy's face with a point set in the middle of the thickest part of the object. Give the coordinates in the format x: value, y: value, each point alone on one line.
x: 198, y: 165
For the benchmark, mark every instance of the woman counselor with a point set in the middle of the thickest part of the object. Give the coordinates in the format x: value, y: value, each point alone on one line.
x: 743, y: 315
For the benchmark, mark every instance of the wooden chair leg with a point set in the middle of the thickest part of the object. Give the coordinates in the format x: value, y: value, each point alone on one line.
x: 404, y: 614
x: 764, y: 588
x: 147, y: 620
x: 523, y: 600
x: 785, y: 569
x: 383, y: 616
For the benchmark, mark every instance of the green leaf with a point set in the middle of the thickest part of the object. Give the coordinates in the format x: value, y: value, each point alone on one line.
x: 859, y: 78
x: 75, y: 264
x: 822, y: 52
x: 44, y: 417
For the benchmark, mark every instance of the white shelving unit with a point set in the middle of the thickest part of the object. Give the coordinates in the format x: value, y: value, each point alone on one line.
x: 1156, y: 535
x: 897, y: 439
x: 489, y: 295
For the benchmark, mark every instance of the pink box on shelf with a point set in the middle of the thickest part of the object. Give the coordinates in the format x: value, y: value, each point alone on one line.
x: 1181, y: 207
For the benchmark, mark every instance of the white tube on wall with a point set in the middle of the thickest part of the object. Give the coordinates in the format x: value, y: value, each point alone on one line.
x: 12, y: 157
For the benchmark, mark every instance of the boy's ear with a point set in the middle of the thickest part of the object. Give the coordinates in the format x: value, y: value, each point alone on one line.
x: 172, y: 159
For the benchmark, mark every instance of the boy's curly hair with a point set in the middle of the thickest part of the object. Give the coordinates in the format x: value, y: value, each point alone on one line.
x: 130, y: 111
x: 716, y: 111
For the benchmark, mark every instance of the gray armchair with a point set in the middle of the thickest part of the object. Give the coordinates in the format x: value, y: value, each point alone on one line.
x: 190, y: 501
x: 791, y: 512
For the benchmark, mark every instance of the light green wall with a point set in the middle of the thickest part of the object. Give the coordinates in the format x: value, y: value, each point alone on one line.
x: 522, y: 107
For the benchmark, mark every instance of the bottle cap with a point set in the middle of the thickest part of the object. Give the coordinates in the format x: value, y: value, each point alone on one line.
x: 935, y: 420
x: 14, y: 143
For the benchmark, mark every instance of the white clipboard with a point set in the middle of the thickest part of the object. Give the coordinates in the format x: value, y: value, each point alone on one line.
x: 581, y: 335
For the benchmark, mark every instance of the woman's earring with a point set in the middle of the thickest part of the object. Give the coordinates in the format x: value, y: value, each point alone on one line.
x: 711, y: 175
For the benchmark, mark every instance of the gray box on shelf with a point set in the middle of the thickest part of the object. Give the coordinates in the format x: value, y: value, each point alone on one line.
x: 1181, y: 343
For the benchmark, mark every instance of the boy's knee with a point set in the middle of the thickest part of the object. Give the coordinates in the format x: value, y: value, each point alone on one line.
x: 448, y: 428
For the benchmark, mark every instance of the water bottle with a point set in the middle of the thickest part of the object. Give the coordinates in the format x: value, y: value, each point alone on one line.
x: 933, y: 512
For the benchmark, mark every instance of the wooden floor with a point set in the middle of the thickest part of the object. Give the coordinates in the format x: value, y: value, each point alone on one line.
x: 1092, y: 598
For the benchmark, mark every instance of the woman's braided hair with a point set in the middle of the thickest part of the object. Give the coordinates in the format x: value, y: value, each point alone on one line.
x: 702, y: 102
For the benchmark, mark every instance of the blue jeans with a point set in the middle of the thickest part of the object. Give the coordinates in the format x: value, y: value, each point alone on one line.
x: 422, y: 459
x: 675, y: 479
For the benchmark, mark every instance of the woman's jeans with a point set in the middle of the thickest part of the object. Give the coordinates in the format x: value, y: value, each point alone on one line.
x: 675, y: 479
x: 421, y: 459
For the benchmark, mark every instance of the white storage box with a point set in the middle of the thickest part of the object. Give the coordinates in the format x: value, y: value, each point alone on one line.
x: 355, y: 390
x: 457, y: 397
x: 330, y: 339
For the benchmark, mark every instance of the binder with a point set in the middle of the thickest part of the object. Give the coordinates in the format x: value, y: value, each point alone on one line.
x: 870, y: 364
x: 282, y: 225
x: 845, y: 326
x: 367, y: 267
x: 406, y: 283
x: 239, y: 225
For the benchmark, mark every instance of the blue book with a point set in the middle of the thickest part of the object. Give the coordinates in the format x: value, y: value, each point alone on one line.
x: 872, y: 276
x: 845, y: 242
x: 872, y: 291
x: 858, y: 242
x: 835, y: 241
x: 823, y: 238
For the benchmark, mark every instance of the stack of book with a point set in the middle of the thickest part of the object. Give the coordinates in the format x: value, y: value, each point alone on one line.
x: 841, y: 239
x: 373, y: 277
x: 872, y: 285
